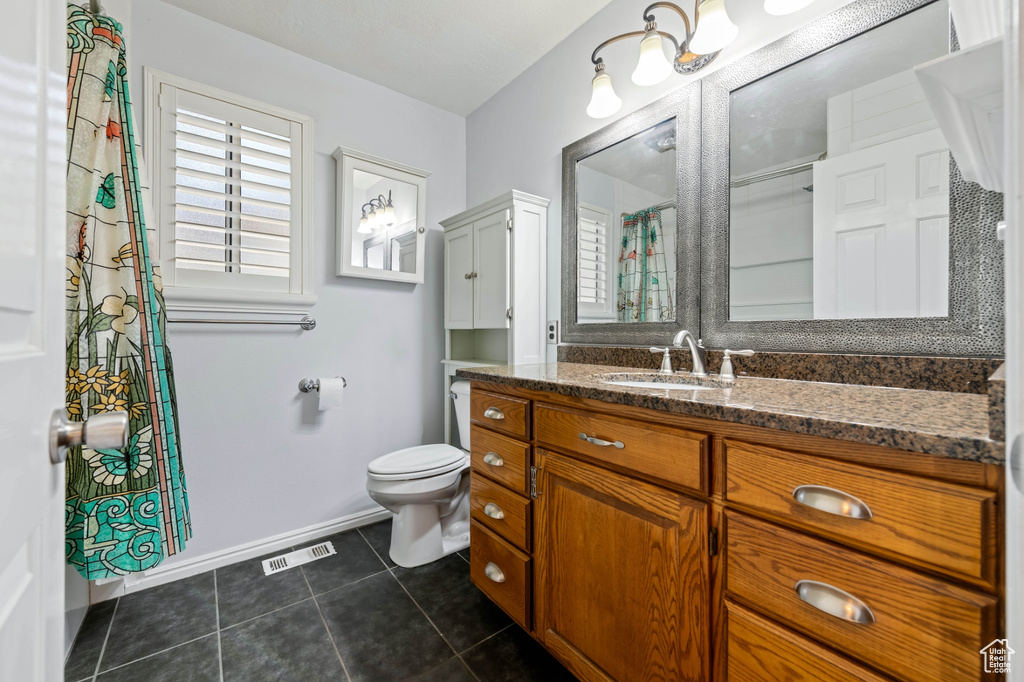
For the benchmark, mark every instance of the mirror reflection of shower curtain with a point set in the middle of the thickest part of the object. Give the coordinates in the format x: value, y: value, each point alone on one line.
x: 645, y: 294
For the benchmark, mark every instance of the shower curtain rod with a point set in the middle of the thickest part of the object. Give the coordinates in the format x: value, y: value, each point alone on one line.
x: 659, y: 207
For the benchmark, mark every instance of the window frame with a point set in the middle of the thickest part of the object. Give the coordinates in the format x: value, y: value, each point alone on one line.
x: 197, y: 290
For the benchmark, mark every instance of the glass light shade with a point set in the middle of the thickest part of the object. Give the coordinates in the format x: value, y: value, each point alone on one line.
x: 779, y: 7
x: 714, y: 28
x: 652, y: 67
x: 364, y: 225
x: 604, y: 101
x: 389, y: 215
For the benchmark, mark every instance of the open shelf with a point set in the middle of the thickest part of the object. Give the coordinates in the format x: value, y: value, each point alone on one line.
x: 965, y: 91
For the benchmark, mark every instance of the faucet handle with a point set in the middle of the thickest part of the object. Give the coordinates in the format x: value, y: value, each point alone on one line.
x: 666, y: 360
x: 727, y: 372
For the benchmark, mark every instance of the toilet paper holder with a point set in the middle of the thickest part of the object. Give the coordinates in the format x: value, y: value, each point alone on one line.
x: 307, y: 385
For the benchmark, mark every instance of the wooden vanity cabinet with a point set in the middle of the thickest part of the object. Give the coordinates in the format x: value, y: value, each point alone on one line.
x: 641, y: 545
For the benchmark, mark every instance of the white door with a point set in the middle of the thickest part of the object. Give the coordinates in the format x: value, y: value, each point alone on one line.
x: 33, y: 98
x: 458, y: 278
x: 491, y: 284
x: 881, y: 230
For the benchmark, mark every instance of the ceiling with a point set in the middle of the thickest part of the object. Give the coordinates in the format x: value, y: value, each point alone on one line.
x: 454, y: 54
x: 781, y: 118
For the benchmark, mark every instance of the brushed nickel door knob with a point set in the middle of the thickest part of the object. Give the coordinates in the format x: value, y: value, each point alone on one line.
x: 100, y: 432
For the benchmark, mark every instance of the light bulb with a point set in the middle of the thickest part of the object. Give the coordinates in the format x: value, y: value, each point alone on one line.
x: 779, y: 7
x: 364, y: 226
x: 604, y: 101
x: 652, y: 67
x: 714, y: 28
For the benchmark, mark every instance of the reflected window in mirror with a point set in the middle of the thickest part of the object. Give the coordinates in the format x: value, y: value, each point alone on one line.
x: 626, y: 230
x: 840, y: 183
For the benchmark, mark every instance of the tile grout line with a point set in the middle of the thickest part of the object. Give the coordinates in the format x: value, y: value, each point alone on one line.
x: 157, y: 653
x: 216, y: 607
x: 330, y: 635
x: 103, y: 649
x: 491, y: 636
x: 437, y: 629
x: 376, y: 553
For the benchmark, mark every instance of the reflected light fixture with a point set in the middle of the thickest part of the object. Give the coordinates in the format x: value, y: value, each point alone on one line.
x: 711, y: 31
x: 381, y: 214
x: 780, y: 7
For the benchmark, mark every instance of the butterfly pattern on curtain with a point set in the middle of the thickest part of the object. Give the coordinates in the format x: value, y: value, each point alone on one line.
x: 644, y: 292
x: 126, y: 509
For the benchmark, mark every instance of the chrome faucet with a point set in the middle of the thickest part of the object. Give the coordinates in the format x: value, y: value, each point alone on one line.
x: 696, y: 350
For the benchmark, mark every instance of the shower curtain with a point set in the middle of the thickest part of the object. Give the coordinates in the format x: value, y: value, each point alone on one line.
x: 126, y: 509
x: 644, y: 291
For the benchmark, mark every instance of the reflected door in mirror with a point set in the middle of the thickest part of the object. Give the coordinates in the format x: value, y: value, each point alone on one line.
x: 839, y: 188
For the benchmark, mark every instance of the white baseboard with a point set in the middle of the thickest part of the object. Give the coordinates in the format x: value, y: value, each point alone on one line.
x: 162, y: 575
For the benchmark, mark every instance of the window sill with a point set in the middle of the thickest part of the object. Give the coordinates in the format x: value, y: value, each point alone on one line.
x: 194, y: 300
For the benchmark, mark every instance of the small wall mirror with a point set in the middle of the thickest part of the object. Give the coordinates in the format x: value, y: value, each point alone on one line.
x: 626, y: 230
x: 381, y: 211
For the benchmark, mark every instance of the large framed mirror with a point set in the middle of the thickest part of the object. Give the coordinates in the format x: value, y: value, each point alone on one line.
x: 630, y: 217
x: 833, y: 217
x: 381, y: 214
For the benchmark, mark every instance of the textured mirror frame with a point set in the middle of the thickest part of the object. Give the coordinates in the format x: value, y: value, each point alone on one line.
x: 974, y: 326
x: 684, y: 105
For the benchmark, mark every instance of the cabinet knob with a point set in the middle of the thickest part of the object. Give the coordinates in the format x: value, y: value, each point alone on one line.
x: 831, y: 501
x: 494, y: 413
x: 494, y: 459
x: 834, y: 602
x: 492, y: 571
x: 494, y: 511
x: 469, y: 275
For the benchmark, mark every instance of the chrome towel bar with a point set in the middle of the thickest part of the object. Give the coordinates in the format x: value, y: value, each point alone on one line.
x: 306, y: 322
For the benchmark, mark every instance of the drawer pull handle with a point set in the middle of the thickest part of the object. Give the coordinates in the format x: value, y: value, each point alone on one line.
x: 602, y: 443
x: 831, y: 501
x: 834, y: 602
x: 494, y: 459
x: 494, y: 413
x: 492, y: 571
x: 494, y: 511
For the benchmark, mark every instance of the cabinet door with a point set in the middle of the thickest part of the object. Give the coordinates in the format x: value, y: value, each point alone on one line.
x: 458, y: 281
x: 622, y: 574
x: 490, y: 258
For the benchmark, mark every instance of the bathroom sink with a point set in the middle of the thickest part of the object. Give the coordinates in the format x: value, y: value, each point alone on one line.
x: 680, y: 382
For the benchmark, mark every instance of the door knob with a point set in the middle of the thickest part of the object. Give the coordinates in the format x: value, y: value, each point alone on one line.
x: 101, y: 432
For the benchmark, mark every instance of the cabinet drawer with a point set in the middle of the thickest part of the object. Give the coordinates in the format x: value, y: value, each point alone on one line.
x: 503, y: 459
x: 666, y: 453
x: 946, y: 525
x: 911, y: 625
x: 501, y: 412
x: 501, y: 572
x: 758, y: 649
x: 502, y: 510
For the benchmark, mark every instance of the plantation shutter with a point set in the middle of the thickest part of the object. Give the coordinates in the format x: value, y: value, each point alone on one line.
x: 594, y: 284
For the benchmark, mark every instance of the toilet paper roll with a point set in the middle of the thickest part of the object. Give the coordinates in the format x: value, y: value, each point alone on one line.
x: 330, y: 394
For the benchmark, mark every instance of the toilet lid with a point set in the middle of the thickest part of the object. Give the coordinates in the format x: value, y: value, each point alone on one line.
x: 418, y: 459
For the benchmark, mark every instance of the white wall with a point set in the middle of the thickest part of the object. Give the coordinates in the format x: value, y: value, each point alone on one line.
x: 515, y: 139
x: 259, y: 459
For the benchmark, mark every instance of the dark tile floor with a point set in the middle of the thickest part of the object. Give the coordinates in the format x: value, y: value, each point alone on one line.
x: 353, y: 616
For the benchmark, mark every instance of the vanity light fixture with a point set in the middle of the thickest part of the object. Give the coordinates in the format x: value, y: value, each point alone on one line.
x: 382, y: 214
x: 697, y: 50
x: 780, y: 7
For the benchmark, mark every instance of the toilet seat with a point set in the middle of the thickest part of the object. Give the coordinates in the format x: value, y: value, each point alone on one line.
x: 422, y: 461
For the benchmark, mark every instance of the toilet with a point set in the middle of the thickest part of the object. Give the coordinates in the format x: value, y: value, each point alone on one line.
x: 427, y: 489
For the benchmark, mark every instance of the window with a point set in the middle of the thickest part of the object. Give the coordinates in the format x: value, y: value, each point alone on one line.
x: 594, y: 288
x: 232, y: 189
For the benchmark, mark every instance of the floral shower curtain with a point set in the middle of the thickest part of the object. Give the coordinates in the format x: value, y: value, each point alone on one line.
x: 126, y: 509
x: 644, y: 291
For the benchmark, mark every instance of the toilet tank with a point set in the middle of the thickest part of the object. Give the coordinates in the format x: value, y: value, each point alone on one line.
x: 460, y: 389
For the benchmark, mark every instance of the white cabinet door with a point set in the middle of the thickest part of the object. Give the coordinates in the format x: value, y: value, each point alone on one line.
x: 491, y: 284
x: 32, y: 270
x: 458, y: 278
x: 881, y: 230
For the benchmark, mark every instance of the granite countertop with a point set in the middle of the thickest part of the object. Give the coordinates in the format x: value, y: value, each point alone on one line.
x: 954, y: 425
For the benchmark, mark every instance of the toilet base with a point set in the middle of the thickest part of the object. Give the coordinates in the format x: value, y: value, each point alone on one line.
x: 420, y: 535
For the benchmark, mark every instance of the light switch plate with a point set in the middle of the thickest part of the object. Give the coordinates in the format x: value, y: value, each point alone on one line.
x: 551, y: 331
